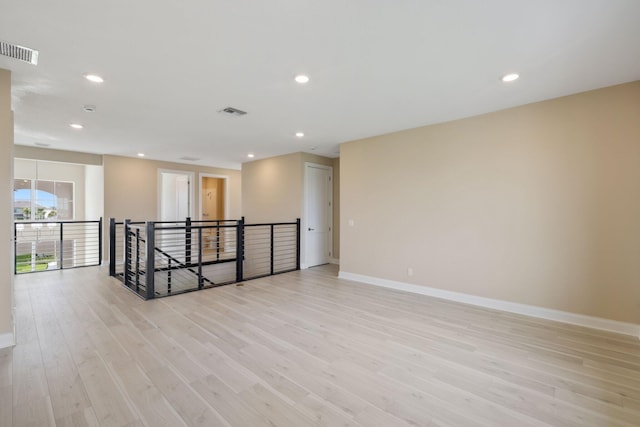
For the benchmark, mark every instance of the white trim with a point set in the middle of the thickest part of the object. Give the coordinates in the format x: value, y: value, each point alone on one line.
x: 512, y: 307
x: 226, y: 193
x: 6, y: 340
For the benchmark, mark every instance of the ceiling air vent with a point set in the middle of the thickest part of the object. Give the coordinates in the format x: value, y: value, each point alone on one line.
x: 189, y: 159
x: 20, y: 53
x: 230, y: 111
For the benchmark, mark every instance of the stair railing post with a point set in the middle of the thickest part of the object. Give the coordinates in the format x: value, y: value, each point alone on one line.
x: 127, y: 254
x: 15, y: 248
x: 239, y: 250
x: 272, y: 247
x: 187, y: 241
x: 112, y: 247
x: 138, y: 259
x: 169, y: 278
x: 150, y: 274
x: 218, y: 240
x: 100, y: 242
x: 298, y: 244
x: 61, y: 245
x: 200, y: 281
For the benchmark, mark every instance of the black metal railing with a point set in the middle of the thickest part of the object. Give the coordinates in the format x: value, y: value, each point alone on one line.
x: 56, y: 245
x: 156, y: 259
x: 270, y: 249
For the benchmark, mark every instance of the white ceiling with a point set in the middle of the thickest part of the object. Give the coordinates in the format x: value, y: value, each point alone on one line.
x: 376, y: 66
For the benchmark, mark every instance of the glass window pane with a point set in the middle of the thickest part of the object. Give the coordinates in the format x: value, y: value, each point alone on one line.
x: 45, y: 201
x: 22, y: 199
x: 42, y: 200
x: 64, y: 200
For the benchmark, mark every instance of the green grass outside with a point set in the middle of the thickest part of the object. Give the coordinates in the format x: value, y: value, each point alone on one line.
x: 23, y: 263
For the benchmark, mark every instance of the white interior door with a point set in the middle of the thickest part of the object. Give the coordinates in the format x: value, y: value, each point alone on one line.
x: 182, y: 196
x: 318, y: 214
x: 176, y: 199
x: 175, y: 196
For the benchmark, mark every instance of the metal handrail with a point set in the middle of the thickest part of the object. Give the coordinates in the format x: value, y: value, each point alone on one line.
x: 83, y: 246
x: 161, y: 251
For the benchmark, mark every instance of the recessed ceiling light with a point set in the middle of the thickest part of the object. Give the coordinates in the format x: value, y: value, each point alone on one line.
x: 140, y: 154
x: 301, y: 78
x: 299, y: 134
x: 76, y: 125
x: 94, y: 78
x: 510, y: 77
x: 251, y: 156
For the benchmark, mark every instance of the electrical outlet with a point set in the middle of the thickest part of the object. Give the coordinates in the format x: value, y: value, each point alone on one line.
x: 409, y: 271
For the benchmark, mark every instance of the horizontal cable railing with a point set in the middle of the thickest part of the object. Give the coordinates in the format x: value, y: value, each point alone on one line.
x: 135, y: 256
x: 156, y: 259
x: 117, y: 246
x: 55, y: 245
x: 269, y: 249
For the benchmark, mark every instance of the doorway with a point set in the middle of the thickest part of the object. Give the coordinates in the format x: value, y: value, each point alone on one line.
x: 213, y: 197
x: 318, y: 214
x: 214, y: 206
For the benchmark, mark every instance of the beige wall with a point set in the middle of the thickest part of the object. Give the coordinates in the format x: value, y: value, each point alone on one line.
x: 537, y: 205
x: 314, y: 158
x: 6, y: 216
x: 38, y: 153
x: 131, y: 187
x: 273, y: 188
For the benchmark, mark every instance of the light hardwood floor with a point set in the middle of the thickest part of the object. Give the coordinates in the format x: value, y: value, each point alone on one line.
x: 300, y: 349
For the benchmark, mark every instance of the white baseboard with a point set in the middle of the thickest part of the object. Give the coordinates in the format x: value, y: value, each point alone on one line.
x: 512, y: 307
x: 6, y: 340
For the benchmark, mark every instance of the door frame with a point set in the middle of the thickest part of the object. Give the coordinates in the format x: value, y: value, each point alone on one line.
x: 303, y: 222
x: 226, y: 192
x: 175, y: 172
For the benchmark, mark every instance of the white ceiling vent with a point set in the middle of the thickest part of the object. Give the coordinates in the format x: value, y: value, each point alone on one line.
x: 230, y: 111
x: 20, y: 53
x: 189, y: 158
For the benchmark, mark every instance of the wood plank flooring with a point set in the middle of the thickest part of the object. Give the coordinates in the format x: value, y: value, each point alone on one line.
x: 300, y: 349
